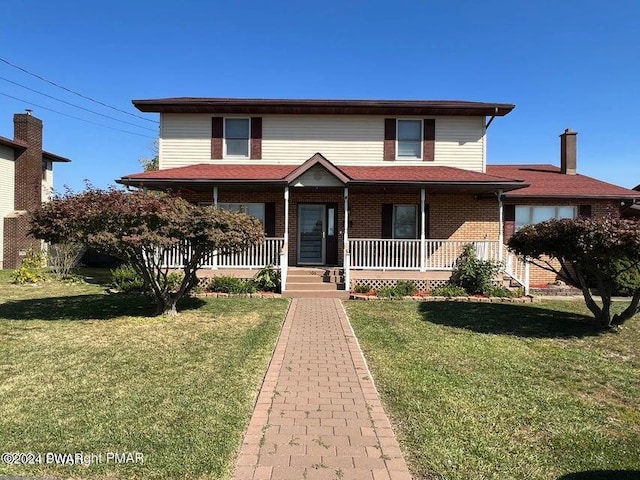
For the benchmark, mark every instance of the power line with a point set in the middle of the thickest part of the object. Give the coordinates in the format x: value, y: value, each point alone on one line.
x: 74, y: 105
x: 74, y: 92
x: 76, y: 118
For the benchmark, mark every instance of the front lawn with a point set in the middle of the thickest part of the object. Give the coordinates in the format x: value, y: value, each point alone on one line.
x: 505, y: 391
x: 81, y: 371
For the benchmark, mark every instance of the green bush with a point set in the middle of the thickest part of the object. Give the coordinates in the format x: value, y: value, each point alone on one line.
x: 449, y: 290
x: 362, y: 288
x: 473, y: 274
x: 126, y: 279
x: 502, y: 291
x: 174, y: 280
x: 627, y: 282
x: 32, y: 268
x: 387, y: 292
x: 268, y: 279
x: 227, y: 284
x: 405, y: 288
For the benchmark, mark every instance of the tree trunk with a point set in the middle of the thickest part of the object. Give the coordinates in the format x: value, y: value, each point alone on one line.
x: 166, y: 305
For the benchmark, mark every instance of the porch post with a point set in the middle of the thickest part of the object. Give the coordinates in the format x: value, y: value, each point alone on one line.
x: 215, y: 196
x: 284, y: 253
x: 423, y: 233
x: 346, y: 254
x: 214, y: 257
x: 500, y: 226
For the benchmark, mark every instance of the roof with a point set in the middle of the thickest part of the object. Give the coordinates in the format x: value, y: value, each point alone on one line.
x: 547, y: 181
x: 434, y: 176
x: 52, y: 157
x: 319, y: 106
x: 20, y: 145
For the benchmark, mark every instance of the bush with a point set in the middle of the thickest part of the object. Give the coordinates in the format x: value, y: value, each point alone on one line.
x: 449, y: 290
x: 126, y: 279
x: 362, y: 288
x: 174, y: 280
x: 627, y: 282
x: 502, y: 291
x: 473, y: 274
x: 227, y: 284
x: 32, y: 268
x: 405, y: 288
x: 268, y: 279
x: 387, y: 292
x: 63, y: 258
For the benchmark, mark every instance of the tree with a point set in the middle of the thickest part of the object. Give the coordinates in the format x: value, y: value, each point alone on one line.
x: 589, y: 250
x: 137, y: 227
x: 152, y: 163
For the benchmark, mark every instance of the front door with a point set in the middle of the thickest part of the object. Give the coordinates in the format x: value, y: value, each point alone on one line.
x: 312, y: 234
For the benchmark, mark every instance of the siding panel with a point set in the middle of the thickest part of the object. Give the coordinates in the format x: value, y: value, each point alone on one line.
x: 343, y: 139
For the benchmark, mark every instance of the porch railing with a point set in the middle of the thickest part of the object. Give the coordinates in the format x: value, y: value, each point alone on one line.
x: 257, y: 256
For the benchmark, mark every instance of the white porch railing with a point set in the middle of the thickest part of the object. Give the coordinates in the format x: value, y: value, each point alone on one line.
x: 388, y: 254
x: 257, y: 256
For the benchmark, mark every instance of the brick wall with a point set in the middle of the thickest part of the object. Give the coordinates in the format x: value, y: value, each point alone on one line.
x: 16, y: 242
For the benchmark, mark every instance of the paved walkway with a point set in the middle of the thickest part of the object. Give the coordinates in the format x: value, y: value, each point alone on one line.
x: 318, y: 415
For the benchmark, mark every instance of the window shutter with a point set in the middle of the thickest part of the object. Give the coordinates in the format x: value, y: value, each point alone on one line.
x: 270, y: 219
x: 216, y: 137
x: 584, y: 211
x: 387, y: 220
x: 389, y: 139
x: 429, y: 140
x: 256, y: 138
x: 426, y: 220
x: 509, y: 227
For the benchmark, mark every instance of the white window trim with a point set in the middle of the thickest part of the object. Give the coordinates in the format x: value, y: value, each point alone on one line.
x: 224, y: 138
x: 556, y: 207
x: 393, y: 220
x: 411, y: 159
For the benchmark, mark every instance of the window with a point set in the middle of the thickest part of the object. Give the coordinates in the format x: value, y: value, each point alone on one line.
x: 528, y: 214
x: 409, y: 139
x: 253, y: 209
x: 236, y: 137
x: 405, y: 220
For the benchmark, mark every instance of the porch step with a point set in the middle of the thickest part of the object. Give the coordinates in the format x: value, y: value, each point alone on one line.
x: 294, y: 284
x: 341, y: 294
x: 315, y: 282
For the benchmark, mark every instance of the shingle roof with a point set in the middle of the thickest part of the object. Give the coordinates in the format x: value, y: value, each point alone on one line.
x: 548, y: 181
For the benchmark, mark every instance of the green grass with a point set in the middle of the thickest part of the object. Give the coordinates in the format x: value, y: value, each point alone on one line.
x: 81, y: 371
x: 505, y: 391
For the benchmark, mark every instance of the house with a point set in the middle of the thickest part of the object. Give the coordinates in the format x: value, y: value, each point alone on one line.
x: 372, y: 191
x: 26, y: 171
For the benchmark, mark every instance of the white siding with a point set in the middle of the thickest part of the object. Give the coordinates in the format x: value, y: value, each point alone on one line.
x: 342, y: 139
x: 7, y: 186
x: 47, y: 183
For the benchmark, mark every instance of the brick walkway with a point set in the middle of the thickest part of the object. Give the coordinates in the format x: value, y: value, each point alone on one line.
x: 318, y: 415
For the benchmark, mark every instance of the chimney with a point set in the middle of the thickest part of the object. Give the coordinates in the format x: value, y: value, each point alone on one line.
x: 28, y: 164
x: 568, y: 152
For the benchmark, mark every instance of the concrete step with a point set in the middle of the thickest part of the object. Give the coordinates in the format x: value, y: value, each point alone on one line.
x: 341, y: 294
x: 296, y: 278
x: 310, y: 286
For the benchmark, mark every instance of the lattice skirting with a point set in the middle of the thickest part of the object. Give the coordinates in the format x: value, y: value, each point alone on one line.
x: 378, y: 283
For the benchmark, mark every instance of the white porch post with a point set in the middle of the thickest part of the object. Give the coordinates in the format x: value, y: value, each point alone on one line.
x: 526, y: 276
x: 500, y: 226
x: 284, y: 253
x: 215, y: 196
x: 214, y: 257
x: 346, y: 254
x: 423, y: 233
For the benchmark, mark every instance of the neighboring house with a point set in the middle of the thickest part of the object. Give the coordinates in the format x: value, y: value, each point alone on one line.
x: 632, y: 211
x: 26, y: 171
x: 384, y: 190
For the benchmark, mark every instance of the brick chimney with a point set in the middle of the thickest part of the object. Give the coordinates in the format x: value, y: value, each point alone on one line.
x: 28, y: 164
x: 568, y: 152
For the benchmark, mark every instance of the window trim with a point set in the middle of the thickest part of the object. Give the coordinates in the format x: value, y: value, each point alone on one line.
x: 531, y: 208
x: 421, y: 150
x: 393, y: 220
x: 224, y: 138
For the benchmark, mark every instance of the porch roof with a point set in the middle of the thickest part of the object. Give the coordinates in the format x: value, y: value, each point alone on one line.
x: 547, y: 181
x: 436, y: 177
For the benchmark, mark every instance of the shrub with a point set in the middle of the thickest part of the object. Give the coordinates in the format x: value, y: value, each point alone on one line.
x: 174, y: 280
x: 268, y: 279
x: 362, y: 288
x: 405, y: 288
x: 628, y: 281
x: 227, y: 284
x: 63, y: 258
x: 126, y: 279
x: 32, y: 268
x: 448, y: 290
x: 473, y: 274
x: 387, y: 292
x: 502, y: 291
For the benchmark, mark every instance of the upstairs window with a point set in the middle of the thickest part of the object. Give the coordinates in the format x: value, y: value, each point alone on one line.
x: 409, y: 139
x: 236, y: 137
x: 529, y: 214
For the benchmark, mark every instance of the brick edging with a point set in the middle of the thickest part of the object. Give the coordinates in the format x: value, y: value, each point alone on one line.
x: 526, y: 299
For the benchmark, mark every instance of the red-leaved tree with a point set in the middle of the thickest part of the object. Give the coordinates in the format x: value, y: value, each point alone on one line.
x: 137, y: 227
x: 590, y: 251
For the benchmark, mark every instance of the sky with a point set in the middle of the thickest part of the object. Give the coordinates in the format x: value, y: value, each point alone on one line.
x: 564, y: 64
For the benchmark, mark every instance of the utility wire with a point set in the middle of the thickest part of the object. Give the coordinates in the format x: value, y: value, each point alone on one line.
x: 76, y: 118
x: 74, y: 105
x: 74, y: 92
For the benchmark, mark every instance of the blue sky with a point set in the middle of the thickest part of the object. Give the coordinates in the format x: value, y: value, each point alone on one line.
x: 572, y: 63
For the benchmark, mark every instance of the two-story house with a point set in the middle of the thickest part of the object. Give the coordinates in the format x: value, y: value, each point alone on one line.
x: 26, y: 171
x: 384, y: 190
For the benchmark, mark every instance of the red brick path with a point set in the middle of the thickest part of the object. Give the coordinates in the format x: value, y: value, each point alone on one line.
x: 318, y: 415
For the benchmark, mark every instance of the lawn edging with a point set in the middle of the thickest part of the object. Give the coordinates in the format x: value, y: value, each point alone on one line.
x: 429, y: 298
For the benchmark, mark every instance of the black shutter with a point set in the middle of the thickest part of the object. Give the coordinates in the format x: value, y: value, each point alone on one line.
x: 216, y: 137
x: 429, y: 140
x: 387, y: 220
x: 426, y: 220
x: 584, y: 211
x: 270, y: 219
x: 256, y: 138
x: 389, y: 139
x: 509, y: 227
